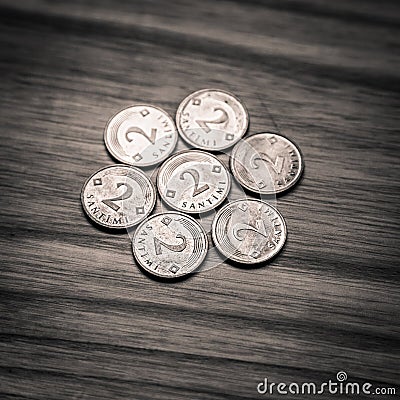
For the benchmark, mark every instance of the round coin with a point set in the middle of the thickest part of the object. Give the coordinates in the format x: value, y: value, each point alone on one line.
x: 170, y: 245
x: 249, y: 231
x: 212, y: 119
x: 118, y: 196
x: 267, y: 163
x: 141, y: 135
x: 193, y: 181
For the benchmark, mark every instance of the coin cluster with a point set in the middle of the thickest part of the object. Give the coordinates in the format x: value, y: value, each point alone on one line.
x: 172, y: 244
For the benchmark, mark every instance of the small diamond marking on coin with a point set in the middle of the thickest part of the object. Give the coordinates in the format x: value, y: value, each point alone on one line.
x: 141, y: 135
x: 249, y: 231
x: 267, y: 163
x: 193, y: 181
x: 170, y: 245
x: 212, y: 119
x: 118, y: 196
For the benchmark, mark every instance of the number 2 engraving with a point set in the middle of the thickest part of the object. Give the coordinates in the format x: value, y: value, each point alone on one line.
x: 277, y: 165
x: 128, y: 193
x: 240, y: 227
x: 135, y: 129
x: 203, y: 123
x: 158, y: 244
x: 196, y: 177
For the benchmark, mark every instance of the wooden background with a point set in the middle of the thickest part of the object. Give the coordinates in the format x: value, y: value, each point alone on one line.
x: 79, y: 320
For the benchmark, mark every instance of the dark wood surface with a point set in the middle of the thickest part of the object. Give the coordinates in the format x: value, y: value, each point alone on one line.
x: 79, y: 320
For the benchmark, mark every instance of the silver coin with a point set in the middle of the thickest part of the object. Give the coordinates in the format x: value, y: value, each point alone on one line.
x: 249, y: 231
x: 212, y: 119
x: 170, y: 245
x: 118, y: 196
x: 141, y: 135
x: 193, y: 181
x: 267, y: 163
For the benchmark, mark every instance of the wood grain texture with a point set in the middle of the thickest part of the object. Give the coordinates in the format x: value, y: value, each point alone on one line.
x: 79, y: 320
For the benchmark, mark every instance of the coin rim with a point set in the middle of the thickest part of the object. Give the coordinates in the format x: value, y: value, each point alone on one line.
x: 236, y: 259
x: 147, y: 164
x: 177, y: 275
x: 197, y: 146
x: 124, y: 226
x: 193, y: 151
x: 291, y: 185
